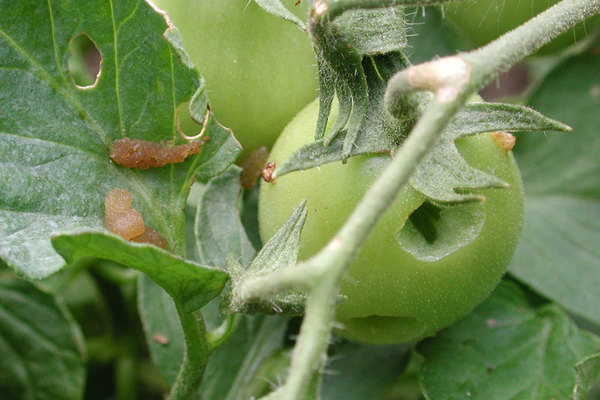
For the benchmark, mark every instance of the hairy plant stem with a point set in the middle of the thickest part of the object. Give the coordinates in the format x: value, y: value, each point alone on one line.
x: 453, y: 80
x: 195, y: 356
x: 333, y: 8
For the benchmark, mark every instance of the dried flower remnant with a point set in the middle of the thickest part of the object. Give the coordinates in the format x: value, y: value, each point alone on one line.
x: 127, y: 222
x: 141, y: 154
x: 252, y: 167
x: 267, y: 172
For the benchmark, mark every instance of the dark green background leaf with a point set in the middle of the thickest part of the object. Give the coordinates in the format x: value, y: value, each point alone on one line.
x: 159, y: 317
x: 232, y: 366
x: 506, y: 349
x: 559, y: 255
x: 358, y: 372
x: 40, y: 345
x: 55, y: 136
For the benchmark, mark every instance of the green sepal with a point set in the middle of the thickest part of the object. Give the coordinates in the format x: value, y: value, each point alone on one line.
x: 342, y: 47
x: 281, y: 251
x: 443, y: 174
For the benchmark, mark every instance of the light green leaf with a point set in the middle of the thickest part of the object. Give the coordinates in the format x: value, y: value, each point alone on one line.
x: 218, y: 229
x: 506, y: 349
x: 41, y: 346
x: 55, y: 136
x: 191, y: 285
x: 559, y: 255
x: 276, y: 8
x: 588, y: 374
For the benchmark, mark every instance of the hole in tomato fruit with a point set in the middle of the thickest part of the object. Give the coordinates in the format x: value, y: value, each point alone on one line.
x: 432, y: 232
x: 424, y: 220
x: 84, y: 61
x: 377, y: 329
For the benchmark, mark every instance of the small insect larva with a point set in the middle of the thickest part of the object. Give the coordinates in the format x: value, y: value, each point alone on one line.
x: 127, y: 222
x: 504, y: 139
x: 252, y: 167
x: 141, y: 154
x: 119, y: 217
x: 151, y: 236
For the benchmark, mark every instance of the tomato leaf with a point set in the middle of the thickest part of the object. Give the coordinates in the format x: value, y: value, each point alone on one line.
x: 191, y: 285
x: 281, y: 251
x: 56, y: 136
x: 218, y: 229
x: 41, y: 346
x: 277, y: 8
x: 506, y: 349
x: 558, y: 253
x: 362, y: 372
x: 588, y: 374
x: 232, y: 367
x: 162, y: 329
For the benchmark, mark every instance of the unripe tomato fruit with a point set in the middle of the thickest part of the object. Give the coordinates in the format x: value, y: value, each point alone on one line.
x: 259, y: 69
x: 485, y: 20
x: 391, y: 295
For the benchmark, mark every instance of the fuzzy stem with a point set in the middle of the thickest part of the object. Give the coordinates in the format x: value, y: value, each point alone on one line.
x: 331, y: 9
x: 194, y: 358
x: 453, y: 80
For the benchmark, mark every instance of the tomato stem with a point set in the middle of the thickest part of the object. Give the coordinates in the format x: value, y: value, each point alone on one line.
x: 452, y: 79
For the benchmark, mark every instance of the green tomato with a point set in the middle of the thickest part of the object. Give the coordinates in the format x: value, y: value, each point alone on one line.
x: 259, y: 69
x: 397, y: 293
x: 485, y: 20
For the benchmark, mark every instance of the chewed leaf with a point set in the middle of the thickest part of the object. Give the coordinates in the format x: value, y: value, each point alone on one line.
x: 281, y: 251
x: 55, y: 136
x: 191, y: 285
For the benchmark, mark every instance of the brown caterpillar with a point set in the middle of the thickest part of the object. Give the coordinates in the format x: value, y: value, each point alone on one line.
x: 127, y: 222
x: 141, y: 154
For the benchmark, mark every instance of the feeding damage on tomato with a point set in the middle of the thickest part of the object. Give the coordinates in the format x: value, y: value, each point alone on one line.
x: 121, y: 219
x: 142, y: 154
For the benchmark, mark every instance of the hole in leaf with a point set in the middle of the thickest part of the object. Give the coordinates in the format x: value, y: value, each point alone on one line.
x: 432, y: 232
x: 84, y: 61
